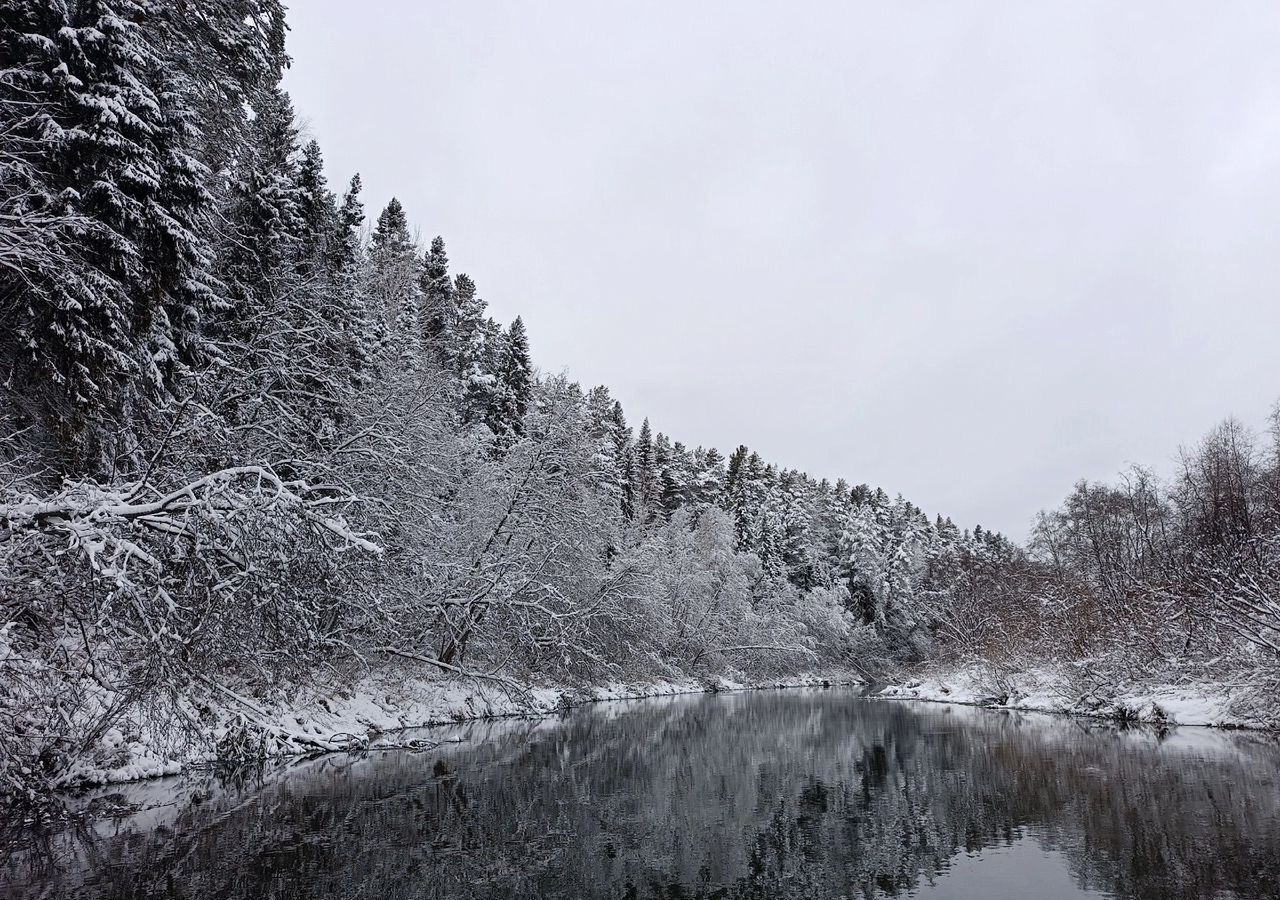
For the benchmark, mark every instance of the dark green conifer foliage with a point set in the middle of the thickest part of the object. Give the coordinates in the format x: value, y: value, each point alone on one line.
x: 392, y: 230
x: 259, y: 264
x: 394, y: 287
x: 344, y: 251
x: 344, y: 260
x: 102, y: 179
x: 709, y: 476
x: 472, y: 351
x: 516, y: 381
x: 647, y: 486
x: 317, y: 209
x: 438, y: 308
x: 624, y: 456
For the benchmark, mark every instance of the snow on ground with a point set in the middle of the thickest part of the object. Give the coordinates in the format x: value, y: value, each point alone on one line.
x: 381, y: 704
x: 353, y: 717
x: 1059, y: 690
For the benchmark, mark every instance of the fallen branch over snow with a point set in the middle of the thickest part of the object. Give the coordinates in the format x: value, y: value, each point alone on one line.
x: 506, y: 683
x: 261, y: 720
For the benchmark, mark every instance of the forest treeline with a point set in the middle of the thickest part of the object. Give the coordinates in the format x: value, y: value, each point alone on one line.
x: 254, y: 440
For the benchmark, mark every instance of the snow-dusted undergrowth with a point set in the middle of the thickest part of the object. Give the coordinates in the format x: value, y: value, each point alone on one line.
x: 1064, y: 689
x: 352, y: 718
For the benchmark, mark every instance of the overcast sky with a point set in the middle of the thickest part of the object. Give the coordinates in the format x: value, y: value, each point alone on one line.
x: 966, y: 251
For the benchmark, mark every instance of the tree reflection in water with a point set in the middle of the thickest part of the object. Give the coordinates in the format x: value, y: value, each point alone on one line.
x: 778, y: 794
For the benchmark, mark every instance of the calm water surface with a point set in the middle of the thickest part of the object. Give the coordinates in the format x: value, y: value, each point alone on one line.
x: 775, y: 794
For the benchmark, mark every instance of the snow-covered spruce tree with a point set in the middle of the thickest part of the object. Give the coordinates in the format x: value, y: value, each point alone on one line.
x: 345, y: 248
x: 646, y: 483
x: 473, y: 350
x: 790, y: 507
x: 104, y: 134
x: 317, y: 208
x: 346, y: 269
x: 515, y: 385
x: 884, y: 546
x: 678, y: 479
x: 746, y: 489
x: 394, y: 271
x: 708, y: 485
x: 265, y: 238
x: 439, y: 311
x: 624, y: 455
x: 603, y: 414
x: 221, y: 55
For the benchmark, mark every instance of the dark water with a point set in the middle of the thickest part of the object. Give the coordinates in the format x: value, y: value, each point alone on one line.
x: 778, y: 794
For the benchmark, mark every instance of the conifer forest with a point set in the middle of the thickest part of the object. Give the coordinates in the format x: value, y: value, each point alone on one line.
x: 260, y: 442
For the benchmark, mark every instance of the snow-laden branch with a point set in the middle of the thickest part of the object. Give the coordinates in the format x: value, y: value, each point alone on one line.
x: 86, y: 504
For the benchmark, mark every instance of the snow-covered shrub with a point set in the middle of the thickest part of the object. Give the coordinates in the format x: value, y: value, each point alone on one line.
x: 113, y: 597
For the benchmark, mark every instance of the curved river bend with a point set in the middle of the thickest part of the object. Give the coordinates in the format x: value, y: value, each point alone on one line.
x: 771, y: 794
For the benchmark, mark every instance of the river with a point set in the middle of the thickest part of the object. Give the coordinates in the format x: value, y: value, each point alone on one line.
x: 814, y: 793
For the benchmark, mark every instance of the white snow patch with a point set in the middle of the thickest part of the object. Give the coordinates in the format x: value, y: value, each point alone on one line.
x: 1057, y: 690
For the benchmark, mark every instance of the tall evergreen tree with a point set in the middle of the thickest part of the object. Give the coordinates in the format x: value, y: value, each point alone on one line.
x: 709, y: 476
x: 391, y: 234
x: 647, y: 486
x: 516, y: 381
x: 625, y: 461
x: 103, y: 177
x: 220, y: 54
x: 474, y: 353
x: 259, y: 265
x: 317, y: 209
x: 394, y: 274
x: 678, y: 478
x: 439, y: 311
x: 350, y: 217
x: 345, y: 264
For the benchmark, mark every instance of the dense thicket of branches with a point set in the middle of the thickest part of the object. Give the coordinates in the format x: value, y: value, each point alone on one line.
x: 248, y: 442
x: 1176, y: 579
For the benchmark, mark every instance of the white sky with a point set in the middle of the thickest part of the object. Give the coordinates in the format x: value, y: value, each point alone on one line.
x: 966, y: 251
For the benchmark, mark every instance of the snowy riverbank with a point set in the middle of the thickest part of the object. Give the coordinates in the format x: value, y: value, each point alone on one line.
x: 1062, y: 690
x: 354, y: 717
x: 372, y: 710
